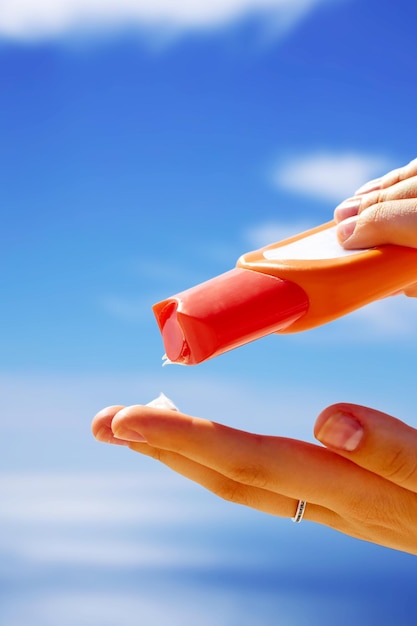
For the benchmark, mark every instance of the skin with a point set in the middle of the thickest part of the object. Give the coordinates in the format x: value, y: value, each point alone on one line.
x: 384, y: 211
x: 360, y: 479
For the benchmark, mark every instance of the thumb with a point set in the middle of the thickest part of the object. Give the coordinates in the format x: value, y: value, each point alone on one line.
x: 373, y: 440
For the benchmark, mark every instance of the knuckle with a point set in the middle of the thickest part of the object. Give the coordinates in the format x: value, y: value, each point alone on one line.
x: 255, y: 473
x: 410, y: 169
x: 231, y: 491
x: 387, y: 518
x: 374, y: 201
x: 394, y: 176
x: 377, y: 218
x: 400, y: 173
x: 372, y: 509
x: 157, y: 454
x: 401, y: 468
x: 380, y: 211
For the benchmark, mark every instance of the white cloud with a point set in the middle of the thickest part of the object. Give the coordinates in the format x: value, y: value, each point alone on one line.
x: 87, y: 498
x: 60, y: 409
x: 115, y: 520
x: 132, y: 310
x: 104, y: 552
x: 393, y: 316
x: 25, y: 19
x: 270, y: 232
x: 327, y: 175
x: 177, y: 603
x: 111, y: 520
x: 98, y: 608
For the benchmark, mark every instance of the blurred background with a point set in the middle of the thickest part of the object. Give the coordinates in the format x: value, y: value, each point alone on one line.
x: 144, y: 145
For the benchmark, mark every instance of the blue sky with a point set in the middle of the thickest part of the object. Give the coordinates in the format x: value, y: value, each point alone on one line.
x: 141, y: 152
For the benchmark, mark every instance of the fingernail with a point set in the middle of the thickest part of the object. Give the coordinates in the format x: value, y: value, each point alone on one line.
x: 372, y: 185
x: 341, y: 431
x: 105, y: 435
x: 346, y: 228
x: 127, y: 434
x: 347, y: 209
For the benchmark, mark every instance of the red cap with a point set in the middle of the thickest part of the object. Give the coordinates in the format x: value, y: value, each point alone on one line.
x: 225, y: 312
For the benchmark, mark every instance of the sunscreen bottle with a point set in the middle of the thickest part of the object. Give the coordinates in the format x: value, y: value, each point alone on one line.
x: 290, y: 286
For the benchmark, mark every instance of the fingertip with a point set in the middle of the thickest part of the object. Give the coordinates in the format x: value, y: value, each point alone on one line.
x: 105, y: 435
x: 143, y: 411
x: 325, y: 414
x: 341, y: 431
x: 128, y: 423
x: 128, y: 413
x: 101, y: 424
x: 372, y: 185
x: 108, y: 412
x: 347, y: 209
x: 354, y: 411
x: 345, y: 229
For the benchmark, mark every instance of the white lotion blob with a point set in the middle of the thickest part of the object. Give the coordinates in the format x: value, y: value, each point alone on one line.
x: 162, y: 402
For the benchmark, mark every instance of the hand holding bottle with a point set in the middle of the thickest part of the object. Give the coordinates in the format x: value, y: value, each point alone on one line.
x: 383, y: 211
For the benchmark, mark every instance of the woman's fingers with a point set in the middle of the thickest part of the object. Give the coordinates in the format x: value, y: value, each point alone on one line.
x: 101, y: 425
x: 383, y: 211
x: 376, y: 441
x: 404, y: 190
x: 391, y: 178
x: 294, y: 469
x: 256, y: 460
x: 385, y: 222
x: 224, y: 487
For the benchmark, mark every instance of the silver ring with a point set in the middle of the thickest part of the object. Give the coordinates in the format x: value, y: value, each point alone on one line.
x: 299, y: 514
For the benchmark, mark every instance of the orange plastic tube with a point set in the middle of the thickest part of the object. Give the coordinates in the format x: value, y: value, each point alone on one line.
x: 289, y: 286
